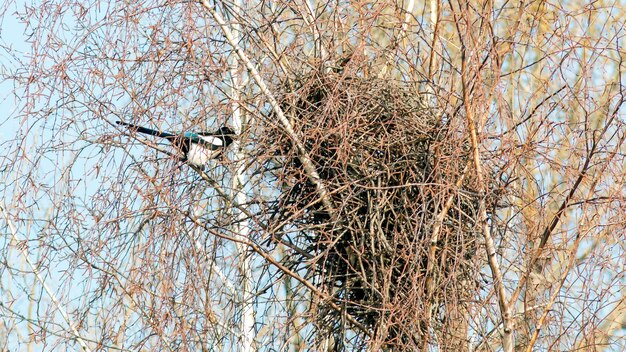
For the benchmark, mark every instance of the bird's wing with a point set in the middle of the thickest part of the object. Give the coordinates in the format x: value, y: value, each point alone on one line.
x: 182, y: 140
x: 207, y: 141
x: 214, y: 141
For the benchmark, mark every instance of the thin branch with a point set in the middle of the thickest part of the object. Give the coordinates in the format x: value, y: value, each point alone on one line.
x: 309, y: 167
x: 505, y: 308
x: 434, y: 239
x: 574, y: 248
x: 24, y: 251
x: 270, y: 259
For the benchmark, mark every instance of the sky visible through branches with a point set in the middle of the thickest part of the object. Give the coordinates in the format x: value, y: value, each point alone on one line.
x: 111, y: 242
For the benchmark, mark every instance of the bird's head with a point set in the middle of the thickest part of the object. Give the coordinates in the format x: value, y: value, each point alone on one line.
x: 227, y: 135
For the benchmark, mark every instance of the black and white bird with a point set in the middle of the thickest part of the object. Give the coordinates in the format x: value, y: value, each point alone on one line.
x: 197, y: 147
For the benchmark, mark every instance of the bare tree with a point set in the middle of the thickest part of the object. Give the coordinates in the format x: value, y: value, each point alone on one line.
x: 413, y: 175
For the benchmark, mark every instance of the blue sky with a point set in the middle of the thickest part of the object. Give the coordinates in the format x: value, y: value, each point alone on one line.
x: 12, y: 37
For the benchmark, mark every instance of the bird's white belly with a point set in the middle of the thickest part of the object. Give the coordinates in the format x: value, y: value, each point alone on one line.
x: 199, y: 155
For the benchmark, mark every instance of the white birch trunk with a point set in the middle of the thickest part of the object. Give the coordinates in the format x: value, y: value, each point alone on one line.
x: 246, y: 324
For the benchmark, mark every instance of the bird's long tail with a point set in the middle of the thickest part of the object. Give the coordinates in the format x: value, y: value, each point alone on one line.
x: 146, y: 130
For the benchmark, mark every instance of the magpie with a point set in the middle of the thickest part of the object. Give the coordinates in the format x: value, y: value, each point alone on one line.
x: 197, y: 147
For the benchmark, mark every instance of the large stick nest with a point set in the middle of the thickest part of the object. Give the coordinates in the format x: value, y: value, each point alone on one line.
x: 390, y: 163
